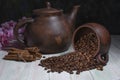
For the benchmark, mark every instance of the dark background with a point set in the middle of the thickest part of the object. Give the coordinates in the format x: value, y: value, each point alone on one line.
x: 105, y: 12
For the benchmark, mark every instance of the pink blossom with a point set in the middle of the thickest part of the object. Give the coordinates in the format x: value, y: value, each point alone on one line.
x: 24, y: 18
x: 5, y: 25
x: 12, y: 23
x: 4, y: 40
x: 1, y: 31
x: 21, y: 31
x: 10, y: 34
x: 6, y: 32
x: 1, y: 34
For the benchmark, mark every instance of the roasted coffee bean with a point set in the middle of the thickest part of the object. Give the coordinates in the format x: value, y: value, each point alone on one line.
x: 45, y: 68
x: 39, y: 65
x: 48, y: 71
x: 44, y: 57
x: 78, y: 72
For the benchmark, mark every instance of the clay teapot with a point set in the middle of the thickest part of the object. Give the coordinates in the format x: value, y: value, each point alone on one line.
x: 50, y: 30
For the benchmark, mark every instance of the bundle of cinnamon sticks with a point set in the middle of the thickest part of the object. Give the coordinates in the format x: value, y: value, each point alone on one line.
x: 26, y: 55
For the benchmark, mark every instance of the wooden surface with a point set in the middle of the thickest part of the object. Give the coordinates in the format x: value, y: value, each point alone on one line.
x: 12, y: 70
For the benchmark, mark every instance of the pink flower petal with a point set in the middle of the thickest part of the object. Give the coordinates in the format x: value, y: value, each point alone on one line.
x: 24, y: 17
x: 5, y: 25
x: 6, y: 33
x: 12, y: 23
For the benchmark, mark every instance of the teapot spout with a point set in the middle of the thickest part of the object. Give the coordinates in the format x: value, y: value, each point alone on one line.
x: 72, y: 15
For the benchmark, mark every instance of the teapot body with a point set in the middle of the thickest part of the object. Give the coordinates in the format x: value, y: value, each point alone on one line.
x: 52, y: 34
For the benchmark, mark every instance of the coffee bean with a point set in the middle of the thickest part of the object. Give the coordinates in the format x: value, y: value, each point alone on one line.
x: 48, y: 71
x: 44, y: 57
x: 39, y: 65
x: 78, y: 72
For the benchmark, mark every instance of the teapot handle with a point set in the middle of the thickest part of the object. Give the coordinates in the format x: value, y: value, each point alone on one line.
x: 19, y: 25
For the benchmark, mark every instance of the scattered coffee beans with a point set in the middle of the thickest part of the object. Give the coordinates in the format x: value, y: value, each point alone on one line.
x: 81, y: 60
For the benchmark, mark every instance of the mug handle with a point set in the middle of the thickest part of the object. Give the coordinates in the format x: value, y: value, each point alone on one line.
x: 19, y: 25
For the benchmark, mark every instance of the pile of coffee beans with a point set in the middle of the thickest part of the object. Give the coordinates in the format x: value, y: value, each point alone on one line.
x: 87, y: 43
x: 81, y: 60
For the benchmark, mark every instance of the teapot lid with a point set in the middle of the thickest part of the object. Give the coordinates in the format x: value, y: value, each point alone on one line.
x: 49, y: 9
